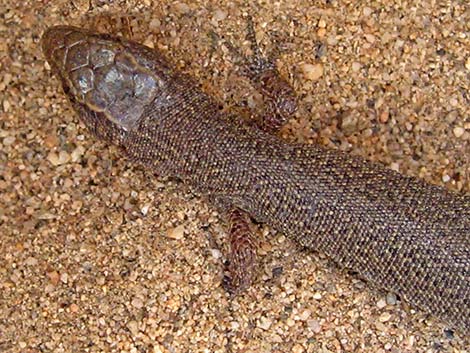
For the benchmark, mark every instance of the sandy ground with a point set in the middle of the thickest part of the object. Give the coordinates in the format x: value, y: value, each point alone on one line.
x: 97, y: 255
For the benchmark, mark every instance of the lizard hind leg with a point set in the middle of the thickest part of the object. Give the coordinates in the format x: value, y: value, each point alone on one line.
x: 242, y: 259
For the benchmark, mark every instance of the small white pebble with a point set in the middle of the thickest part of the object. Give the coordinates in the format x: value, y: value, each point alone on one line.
x: 380, y: 326
x: 384, y: 317
x: 356, y: 66
x: 370, y: 38
x: 64, y: 277
x: 133, y: 326
x: 304, y: 315
x: 181, y: 8
x: 391, y: 298
x: 158, y: 349
x: 381, y: 304
x: 317, y: 296
x: 58, y: 159
x: 216, y: 254
x: 467, y: 64
x: 445, y: 178
x: 219, y: 15
x: 367, y: 11
x: 6, y: 106
x: 234, y: 325
x: 145, y: 209
x: 314, y: 325
x: 459, y: 131
x: 155, y: 23
x: 7, y: 141
x: 77, y: 153
x: 137, y: 303
x: 264, y: 323
x: 395, y: 166
x: 312, y: 71
x: 176, y: 233
x: 31, y: 261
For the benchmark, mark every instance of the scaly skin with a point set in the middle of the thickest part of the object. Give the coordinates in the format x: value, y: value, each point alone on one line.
x: 397, y: 232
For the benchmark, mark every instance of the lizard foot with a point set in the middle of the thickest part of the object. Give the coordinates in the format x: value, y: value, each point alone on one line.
x: 242, y: 261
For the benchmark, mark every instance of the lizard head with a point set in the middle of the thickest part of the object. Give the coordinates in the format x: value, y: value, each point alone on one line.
x: 109, y: 80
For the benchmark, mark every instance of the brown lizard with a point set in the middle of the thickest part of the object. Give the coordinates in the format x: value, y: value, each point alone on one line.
x: 397, y: 232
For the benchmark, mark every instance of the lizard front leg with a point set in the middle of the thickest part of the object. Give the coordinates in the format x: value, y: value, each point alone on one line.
x: 280, y: 102
x: 280, y: 105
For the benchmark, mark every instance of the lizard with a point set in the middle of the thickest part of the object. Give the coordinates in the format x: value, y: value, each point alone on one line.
x: 397, y: 232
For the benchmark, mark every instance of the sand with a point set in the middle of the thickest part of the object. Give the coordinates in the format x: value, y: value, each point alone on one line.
x: 97, y: 255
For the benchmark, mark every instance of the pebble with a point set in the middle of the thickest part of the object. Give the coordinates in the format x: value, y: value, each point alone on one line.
x: 54, y: 277
x: 137, y: 302
x: 74, y: 308
x: 133, y: 327
x: 367, y: 11
x: 51, y: 141
x: 384, y: 115
x: 381, y: 304
x: 9, y: 140
x: 234, y: 325
x: 458, y: 131
x: 370, y: 38
x: 176, y: 233
x: 305, y: 314
x: 445, y: 178
x: 181, y: 8
x: 219, y: 15
x: 317, y: 296
x: 384, y: 317
x: 58, y: 159
x: 77, y: 153
x: 321, y: 32
x: 31, y: 261
x: 391, y: 298
x: 314, y: 325
x: 6, y: 106
x: 290, y: 322
x: 155, y: 24
x: 64, y: 277
x: 467, y: 64
x: 264, y: 323
x: 356, y: 66
x: 144, y: 210
x: 395, y: 166
x: 216, y: 253
x: 312, y: 72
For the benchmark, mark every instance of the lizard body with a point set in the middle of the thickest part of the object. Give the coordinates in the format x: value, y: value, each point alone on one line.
x: 397, y: 232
